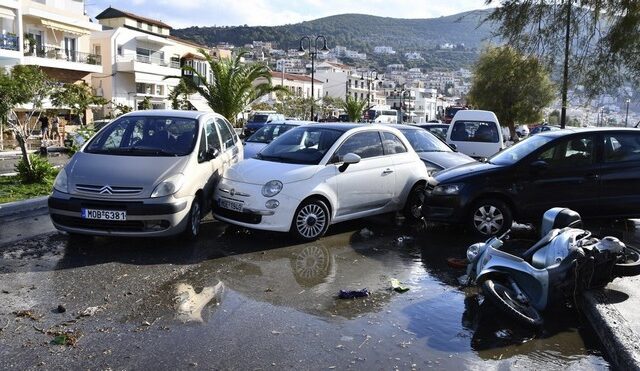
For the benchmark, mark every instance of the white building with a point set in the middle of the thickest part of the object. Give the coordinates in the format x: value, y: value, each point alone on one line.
x: 138, y: 55
x: 383, y: 50
x: 413, y: 56
x: 334, y: 77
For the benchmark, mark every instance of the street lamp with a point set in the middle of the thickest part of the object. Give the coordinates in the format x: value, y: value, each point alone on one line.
x: 370, y: 75
x: 313, y: 53
x: 626, y: 119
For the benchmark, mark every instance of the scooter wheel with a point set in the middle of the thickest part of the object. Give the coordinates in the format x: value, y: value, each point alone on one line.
x: 628, y: 264
x: 504, y: 297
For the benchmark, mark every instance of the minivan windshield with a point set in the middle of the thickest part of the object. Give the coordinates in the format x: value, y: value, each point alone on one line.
x: 146, y: 136
x: 519, y: 150
x: 302, y: 145
x: 423, y: 141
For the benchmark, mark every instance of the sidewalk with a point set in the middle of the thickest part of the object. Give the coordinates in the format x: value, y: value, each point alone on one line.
x: 614, y: 313
x: 14, y: 208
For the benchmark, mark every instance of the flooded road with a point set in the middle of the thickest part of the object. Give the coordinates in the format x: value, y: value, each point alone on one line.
x: 239, y: 299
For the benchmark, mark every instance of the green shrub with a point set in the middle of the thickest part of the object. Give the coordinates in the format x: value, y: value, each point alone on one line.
x: 41, y: 171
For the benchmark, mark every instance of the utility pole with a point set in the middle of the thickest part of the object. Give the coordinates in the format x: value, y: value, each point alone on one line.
x: 565, y: 76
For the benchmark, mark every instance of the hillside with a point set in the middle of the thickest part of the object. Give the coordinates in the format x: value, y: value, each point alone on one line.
x: 358, y: 32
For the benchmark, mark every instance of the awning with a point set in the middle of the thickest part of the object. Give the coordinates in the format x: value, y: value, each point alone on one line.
x: 200, y: 105
x: 155, y: 40
x: 65, y: 27
x: 7, y: 13
x: 149, y: 78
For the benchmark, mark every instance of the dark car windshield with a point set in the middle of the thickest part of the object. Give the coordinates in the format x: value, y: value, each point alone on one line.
x: 518, y: 151
x: 423, y: 141
x: 146, y: 136
x: 258, y: 118
x: 268, y: 133
x: 302, y: 145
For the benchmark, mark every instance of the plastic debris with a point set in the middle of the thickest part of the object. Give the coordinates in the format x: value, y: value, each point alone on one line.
x: 457, y: 263
x: 90, y: 311
x: 397, y: 287
x: 352, y: 294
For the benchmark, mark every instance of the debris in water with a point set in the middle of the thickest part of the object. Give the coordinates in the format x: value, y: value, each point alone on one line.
x: 397, y: 287
x: 351, y: 294
x: 26, y: 314
x: 403, y: 240
x: 90, y: 311
x: 366, y: 233
x: 64, y: 338
x: 457, y: 263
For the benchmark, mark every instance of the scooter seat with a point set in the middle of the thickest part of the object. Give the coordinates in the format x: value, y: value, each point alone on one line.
x: 527, y: 255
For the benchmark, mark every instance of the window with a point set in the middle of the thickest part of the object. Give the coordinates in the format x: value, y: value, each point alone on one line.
x: 475, y: 131
x: 225, y: 135
x: 365, y: 145
x: 569, y: 153
x: 150, y: 27
x: 621, y: 147
x: 159, y: 89
x: 139, y: 24
x: 213, y: 139
x: 120, y: 52
x: 392, y: 144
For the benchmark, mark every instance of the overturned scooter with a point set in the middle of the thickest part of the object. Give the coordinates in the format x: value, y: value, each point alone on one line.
x: 567, y: 260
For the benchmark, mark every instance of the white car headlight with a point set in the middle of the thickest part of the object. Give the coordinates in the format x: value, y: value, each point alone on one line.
x: 447, y: 189
x: 61, y: 183
x: 272, y: 188
x: 168, y: 186
x: 474, y: 250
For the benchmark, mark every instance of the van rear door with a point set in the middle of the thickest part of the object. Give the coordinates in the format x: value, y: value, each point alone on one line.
x: 475, y: 138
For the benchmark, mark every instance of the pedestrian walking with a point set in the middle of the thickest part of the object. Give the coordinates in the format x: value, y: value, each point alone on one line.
x: 44, y: 127
x: 55, y: 129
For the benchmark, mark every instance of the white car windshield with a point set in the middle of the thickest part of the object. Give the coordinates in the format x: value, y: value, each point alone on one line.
x: 518, y: 151
x: 146, y: 136
x: 423, y: 141
x: 302, y: 145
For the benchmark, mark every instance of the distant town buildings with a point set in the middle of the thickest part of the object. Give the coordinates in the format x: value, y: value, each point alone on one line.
x: 384, y: 50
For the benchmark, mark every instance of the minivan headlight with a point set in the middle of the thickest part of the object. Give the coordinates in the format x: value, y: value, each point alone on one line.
x: 168, y: 186
x: 61, y: 184
x: 447, y: 189
x: 271, y: 188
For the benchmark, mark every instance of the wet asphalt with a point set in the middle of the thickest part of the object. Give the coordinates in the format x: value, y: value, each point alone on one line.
x: 240, y: 299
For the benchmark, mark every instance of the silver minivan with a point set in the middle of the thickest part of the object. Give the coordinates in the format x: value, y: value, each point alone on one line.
x: 147, y: 173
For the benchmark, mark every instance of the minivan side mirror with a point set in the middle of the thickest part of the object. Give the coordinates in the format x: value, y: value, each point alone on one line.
x: 539, y: 165
x: 348, y: 159
x: 212, y: 153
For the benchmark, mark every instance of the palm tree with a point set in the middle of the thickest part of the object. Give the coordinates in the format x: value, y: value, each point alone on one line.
x: 233, y: 86
x: 354, y: 108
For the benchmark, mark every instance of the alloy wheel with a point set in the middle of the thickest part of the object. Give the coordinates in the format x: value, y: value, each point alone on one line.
x: 488, y: 219
x: 311, y: 220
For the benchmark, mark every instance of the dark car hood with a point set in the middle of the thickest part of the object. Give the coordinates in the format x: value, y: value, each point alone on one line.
x: 445, y: 160
x: 465, y: 171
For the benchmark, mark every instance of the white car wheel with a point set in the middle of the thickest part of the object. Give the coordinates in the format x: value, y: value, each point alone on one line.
x: 311, y: 220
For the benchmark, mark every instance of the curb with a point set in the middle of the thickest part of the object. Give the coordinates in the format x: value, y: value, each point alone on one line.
x: 621, y: 343
x: 16, y: 207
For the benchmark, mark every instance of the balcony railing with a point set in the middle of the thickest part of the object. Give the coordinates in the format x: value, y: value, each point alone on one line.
x: 66, y: 55
x: 8, y: 42
x: 156, y: 61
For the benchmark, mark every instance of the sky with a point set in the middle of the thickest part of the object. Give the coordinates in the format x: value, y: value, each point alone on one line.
x: 180, y: 14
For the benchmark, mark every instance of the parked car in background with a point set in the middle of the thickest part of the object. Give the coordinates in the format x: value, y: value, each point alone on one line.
x: 435, y: 154
x: 594, y: 171
x: 315, y: 175
x: 476, y: 133
x: 147, y: 173
x: 451, y: 111
x: 543, y: 128
x: 267, y: 134
x: 522, y: 131
x: 439, y: 130
x: 258, y: 119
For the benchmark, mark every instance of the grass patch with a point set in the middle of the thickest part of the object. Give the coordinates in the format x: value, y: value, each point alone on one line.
x: 11, y: 189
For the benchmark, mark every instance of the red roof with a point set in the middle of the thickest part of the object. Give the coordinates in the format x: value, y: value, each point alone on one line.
x: 294, y: 77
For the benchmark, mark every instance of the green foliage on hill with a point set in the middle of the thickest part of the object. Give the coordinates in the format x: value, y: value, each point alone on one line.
x: 364, y: 32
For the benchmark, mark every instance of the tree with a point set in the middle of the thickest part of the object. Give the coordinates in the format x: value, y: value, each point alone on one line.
x: 233, y: 86
x: 77, y: 97
x: 515, y: 87
x: 600, y: 38
x: 179, y: 96
x: 22, y: 92
x: 146, y: 103
x: 354, y: 108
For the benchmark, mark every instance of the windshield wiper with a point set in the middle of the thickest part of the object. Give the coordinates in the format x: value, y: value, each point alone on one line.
x: 147, y: 150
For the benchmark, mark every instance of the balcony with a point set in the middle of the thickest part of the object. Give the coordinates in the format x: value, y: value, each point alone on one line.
x: 8, y: 42
x: 156, y: 61
x: 149, y: 64
x: 54, y: 57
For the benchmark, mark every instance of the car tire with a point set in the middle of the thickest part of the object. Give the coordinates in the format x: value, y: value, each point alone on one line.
x: 490, y: 217
x: 193, y: 220
x: 310, y: 221
x: 413, y: 206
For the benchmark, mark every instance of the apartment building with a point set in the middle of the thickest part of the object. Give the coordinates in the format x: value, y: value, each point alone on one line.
x: 139, y: 54
x: 298, y: 85
x: 51, y: 34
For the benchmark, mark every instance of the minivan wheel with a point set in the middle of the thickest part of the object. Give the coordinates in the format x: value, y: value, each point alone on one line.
x: 490, y: 217
x: 193, y: 223
x: 413, y: 206
x: 310, y: 221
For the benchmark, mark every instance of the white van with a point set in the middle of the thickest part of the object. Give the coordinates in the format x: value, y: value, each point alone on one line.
x: 382, y: 115
x: 476, y: 133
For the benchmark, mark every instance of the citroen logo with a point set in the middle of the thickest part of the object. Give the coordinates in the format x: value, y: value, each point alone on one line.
x: 232, y: 192
x: 106, y: 190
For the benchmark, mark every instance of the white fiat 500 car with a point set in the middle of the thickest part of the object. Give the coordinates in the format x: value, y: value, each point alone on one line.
x: 319, y: 174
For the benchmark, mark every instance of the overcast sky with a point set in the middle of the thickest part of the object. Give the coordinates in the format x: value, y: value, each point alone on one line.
x: 186, y: 13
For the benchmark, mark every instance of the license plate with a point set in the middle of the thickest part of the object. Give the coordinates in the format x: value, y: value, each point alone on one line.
x: 104, y: 214
x: 230, y: 204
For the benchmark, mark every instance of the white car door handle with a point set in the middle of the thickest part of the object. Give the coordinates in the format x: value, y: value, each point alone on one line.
x: 387, y: 171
